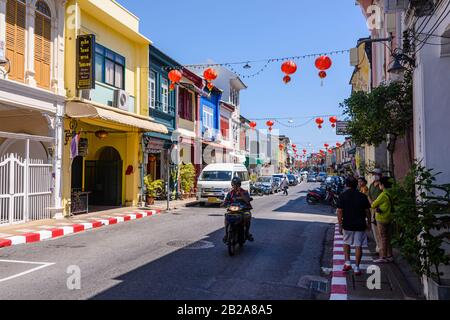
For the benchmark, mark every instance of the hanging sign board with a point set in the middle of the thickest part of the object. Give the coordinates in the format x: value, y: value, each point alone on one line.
x: 85, y: 62
x: 83, y: 147
x: 341, y: 128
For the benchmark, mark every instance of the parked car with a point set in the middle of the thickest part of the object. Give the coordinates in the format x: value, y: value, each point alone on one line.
x: 321, y: 177
x: 277, y: 182
x: 311, y: 177
x: 215, y: 181
x: 292, y: 180
x: 267, y: 184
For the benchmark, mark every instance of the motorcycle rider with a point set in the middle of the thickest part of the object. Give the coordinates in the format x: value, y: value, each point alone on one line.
x: 237, y: 194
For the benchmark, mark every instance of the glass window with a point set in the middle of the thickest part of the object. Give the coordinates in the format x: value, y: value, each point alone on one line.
x: 216, y: 176
x: 98, y: 67
x: 165, y: 95
x: 208, y: 116
x: 109, y: 73
x: 118, y: 76
x: 152, y: 88
x: 109, y: 67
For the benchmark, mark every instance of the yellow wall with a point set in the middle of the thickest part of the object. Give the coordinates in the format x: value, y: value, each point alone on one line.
x: 133, y: 48
x: 361, y: 78
x: 118, y: 30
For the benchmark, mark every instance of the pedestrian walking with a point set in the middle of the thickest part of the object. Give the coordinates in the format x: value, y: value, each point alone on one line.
x: 353, y: 211
x: 374, y: 193
x: 383, y: 206
x: 285, y: 186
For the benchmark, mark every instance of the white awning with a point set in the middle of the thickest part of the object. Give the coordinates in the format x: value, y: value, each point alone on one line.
x: 86, y: 109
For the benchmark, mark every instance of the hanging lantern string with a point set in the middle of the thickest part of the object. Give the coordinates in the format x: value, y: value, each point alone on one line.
x: 306, y: 56
x: 292, y: 118
x: 294, y: 126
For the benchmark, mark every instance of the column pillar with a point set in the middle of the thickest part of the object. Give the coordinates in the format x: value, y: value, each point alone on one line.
x: 3, y: 26
x: 29, y: 57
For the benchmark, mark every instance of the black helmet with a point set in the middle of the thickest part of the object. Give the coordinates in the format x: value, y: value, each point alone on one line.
x: 236, y: 182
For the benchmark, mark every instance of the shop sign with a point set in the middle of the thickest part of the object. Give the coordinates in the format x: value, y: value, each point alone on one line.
x: 85, y: 62
x: 83, y: 147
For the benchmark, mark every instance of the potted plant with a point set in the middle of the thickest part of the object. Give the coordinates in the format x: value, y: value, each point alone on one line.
x: 422, y: 218
x: 187, y: 178
x: 152, y: 188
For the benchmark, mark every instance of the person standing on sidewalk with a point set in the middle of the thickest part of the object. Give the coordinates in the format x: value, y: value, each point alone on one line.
x: 354, y: 219
x: 374, y: 193
x: 362, y: 186
x: 285, y: 186
x: 383, y: 206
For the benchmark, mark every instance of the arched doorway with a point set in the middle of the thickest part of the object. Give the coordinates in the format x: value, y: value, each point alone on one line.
x: 37, y: 149
x: 103, y: 178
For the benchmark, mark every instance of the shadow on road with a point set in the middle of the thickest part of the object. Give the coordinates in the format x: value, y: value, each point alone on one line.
x: 268, y: 269
x: 299, y: 205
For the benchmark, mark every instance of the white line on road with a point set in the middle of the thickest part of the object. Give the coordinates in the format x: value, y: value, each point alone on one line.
x: 42, y: 265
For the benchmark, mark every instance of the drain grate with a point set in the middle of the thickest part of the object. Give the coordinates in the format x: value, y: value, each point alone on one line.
x: 320, y: 286
x: 191, y: 245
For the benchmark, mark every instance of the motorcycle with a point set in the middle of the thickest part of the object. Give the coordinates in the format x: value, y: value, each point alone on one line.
x: 256, y: 190
x: 236, y: 227
x: 326, y: 194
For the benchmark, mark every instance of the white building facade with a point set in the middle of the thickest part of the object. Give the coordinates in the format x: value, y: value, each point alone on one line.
x: 32, y: 98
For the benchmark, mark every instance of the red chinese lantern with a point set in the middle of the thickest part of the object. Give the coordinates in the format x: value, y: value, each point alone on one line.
x: 330, y: 151
x: 174, y: 77
x: 338, y: 144
x: 210, y: 75
x: 288, y: 68
x: 333, y: 121
x: 281, y: 147
x: 323, y: 63
x: 319, y: 122
x: 270, y: 124
x: 326, y: 145
x: 252, y: 125
x: 294, y: 146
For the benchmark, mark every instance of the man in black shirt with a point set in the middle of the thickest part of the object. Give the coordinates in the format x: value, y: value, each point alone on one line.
x: 354, y: 218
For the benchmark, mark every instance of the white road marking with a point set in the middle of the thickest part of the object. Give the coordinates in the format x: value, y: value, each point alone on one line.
x: 42, y: 265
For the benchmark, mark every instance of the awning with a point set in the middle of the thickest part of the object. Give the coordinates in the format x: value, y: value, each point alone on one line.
x: 85, y: 109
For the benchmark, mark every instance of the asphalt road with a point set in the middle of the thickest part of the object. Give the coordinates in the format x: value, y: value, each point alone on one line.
x: 148, y: 259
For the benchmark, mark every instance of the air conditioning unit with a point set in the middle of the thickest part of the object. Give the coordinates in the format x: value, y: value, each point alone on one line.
x: 121, y: 99
x: 392, y: 6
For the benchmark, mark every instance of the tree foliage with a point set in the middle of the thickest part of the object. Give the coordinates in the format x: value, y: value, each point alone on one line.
x: 422, y: 216
x: 386, y: 110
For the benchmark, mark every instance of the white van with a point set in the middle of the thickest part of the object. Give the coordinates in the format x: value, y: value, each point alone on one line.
x: 215, y: 181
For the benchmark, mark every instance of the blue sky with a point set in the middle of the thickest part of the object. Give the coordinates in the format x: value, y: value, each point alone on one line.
x: 195, y: 31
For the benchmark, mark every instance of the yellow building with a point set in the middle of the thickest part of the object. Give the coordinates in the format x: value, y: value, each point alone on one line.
x: 107, y: 121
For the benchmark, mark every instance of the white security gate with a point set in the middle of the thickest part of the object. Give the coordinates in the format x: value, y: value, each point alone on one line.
x: 25, y: 189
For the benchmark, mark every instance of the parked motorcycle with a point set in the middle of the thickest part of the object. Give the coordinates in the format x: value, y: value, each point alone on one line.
x: 236, y: 227
x: 327, y: 194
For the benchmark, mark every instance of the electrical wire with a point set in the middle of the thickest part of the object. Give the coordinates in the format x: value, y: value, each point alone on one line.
x: 435, y: 25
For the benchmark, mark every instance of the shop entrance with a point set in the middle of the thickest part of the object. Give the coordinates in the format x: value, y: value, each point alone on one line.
x: 104, y: 178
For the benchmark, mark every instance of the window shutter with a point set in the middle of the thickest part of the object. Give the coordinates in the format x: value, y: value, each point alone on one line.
x: 181, y: 102
x: 189, y: 106
x: 42, y: 50
x: 15, y: 38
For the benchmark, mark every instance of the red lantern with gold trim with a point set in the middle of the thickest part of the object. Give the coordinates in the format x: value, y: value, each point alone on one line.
x: 252, y: 125
x: 319, y: 122
x: 333, y: 121
x: 323, y: 63
x: 288, y: 68
x: 210, y: 75
x: 174, y: 77
x: 270, y: 124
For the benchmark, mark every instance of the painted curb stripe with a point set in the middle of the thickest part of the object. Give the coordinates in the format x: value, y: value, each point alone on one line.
x: 57, y: 232
x: 5, y: 243
x: 339, y: 278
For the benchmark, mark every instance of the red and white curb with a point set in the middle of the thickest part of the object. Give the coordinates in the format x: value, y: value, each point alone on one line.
x: 339, y: 277
x: 51, y: 233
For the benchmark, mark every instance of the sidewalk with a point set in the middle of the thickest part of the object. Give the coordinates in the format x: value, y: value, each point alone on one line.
x: 347, y: 286
x: 41, y: 230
